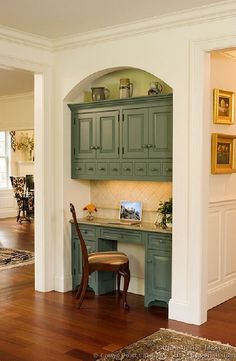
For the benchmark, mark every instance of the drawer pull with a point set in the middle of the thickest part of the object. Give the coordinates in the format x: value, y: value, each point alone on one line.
x: 127, y: 169
x: 149, y: 261
x: 114, y: 169
x: 168, y: 169
x: 102, y: 169
x: 90, y: 168
x: 140, y: 169
x: 78, y: 168
x: 149, y: 146
x: 155, y: 170
x: 92, y: 147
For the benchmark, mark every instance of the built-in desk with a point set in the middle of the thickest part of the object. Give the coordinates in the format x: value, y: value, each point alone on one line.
x: 103, y: 235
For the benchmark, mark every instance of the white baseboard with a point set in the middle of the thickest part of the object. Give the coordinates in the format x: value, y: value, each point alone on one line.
x: 63, y: 284
x: 221, y: 293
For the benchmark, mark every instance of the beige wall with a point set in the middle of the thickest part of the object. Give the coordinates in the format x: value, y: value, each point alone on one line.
x: 222, y: 200
x: 17, y: 112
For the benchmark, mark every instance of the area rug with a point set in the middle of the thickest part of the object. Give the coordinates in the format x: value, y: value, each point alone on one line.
x: 173, y: 346
x: 10, y: 258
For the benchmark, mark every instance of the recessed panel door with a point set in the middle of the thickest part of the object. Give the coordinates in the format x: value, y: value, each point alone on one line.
x: 83, y: 136
x: 135, y: 133
x: 160, y: 132
x: 107, y: 143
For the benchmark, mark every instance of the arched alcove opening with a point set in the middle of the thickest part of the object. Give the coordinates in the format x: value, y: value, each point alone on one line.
x: 107, y: 194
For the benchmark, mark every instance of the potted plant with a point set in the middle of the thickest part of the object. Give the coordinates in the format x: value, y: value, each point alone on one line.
x: 165, y: 212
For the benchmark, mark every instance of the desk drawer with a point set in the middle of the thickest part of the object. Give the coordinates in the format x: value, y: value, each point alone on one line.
x: 161, y: 242
x: 122, y: 235
x: 88, y: 232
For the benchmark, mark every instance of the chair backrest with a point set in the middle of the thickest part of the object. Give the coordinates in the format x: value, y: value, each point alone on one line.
x: 29, y: 182
x: 81, y: 239
x: 18, y: 185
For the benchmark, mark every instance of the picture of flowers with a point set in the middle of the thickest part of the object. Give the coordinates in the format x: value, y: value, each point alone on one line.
x: 223, y: 153
x: 223, y: 107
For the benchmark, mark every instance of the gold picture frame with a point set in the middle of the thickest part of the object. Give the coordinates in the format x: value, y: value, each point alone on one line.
x: 223, y: 148
x: 223, y: 107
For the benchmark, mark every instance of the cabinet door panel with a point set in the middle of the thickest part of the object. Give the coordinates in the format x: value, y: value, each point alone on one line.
x: 107, y: 135
x: 135, y: 133
x: 159, y: 274
x: 160, y: 132
x: 83, y: 136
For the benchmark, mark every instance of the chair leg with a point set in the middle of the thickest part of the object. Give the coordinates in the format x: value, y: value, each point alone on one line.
x: 78, y: 293
x: 118, y: 283
x: 126, y: 275
x: 83, y: 289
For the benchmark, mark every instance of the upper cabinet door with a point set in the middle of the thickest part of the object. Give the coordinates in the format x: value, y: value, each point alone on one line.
x: 107, y: 131
x: 83, y: 136
x: 135, y: 133
x: 160, y: 132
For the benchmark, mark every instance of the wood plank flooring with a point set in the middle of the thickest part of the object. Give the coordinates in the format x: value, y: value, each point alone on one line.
x: 38, y: 326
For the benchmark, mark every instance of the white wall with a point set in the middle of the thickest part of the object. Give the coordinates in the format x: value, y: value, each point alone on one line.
x: 222, y: 200
x: 170, y: 52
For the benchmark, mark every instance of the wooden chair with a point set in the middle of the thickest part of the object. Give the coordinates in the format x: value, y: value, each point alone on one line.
x: 101, y: 261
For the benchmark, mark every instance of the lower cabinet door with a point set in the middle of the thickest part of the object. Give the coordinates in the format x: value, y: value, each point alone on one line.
x: 77, y: 263
x: 158, y: 277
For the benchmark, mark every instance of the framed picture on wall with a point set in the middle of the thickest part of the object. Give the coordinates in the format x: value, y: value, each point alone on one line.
x: 223, y: 147
x: 223, y: 106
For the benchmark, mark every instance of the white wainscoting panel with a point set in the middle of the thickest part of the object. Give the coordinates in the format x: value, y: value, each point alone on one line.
x: 8, y: 206
x: 221, y: 252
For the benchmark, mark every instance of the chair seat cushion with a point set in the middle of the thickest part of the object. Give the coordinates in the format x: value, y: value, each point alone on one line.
x: 110, y: 258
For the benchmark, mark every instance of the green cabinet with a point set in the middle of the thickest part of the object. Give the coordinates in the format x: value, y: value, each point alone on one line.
x: 158, y: 248
x: 122, y: 139
x: 158, y: 269
x: 95, y: 135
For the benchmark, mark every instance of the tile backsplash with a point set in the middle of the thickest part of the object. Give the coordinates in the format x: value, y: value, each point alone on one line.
x: 106, y: 195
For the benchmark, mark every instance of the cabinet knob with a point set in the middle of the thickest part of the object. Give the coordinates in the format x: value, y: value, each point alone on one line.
x: 149, y: 261
x: 168, y: 169
x: 155, y: 170
x: 127, y: 169
x: 149, y: 146
x: 114, y: 169
x: 102, y: 169
x: 90, y: 168
x: 78, y: 168
x: 140, y: 169
x: 98, y: 147
x: 145, y: 146
x: 92, y: 147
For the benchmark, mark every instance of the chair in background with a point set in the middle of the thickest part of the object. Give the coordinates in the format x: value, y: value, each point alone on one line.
x: 101, y: 261
x: 25, y: 201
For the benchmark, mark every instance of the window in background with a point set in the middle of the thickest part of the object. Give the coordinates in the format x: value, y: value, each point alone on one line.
x: 4, y: 159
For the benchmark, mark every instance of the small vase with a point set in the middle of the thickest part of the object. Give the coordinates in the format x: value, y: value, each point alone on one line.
x: 90, y: 216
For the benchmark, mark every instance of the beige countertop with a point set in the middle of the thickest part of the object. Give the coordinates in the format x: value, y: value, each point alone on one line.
x: 113, y: 223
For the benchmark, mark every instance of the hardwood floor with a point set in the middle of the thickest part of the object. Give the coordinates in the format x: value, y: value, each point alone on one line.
x: 38, y: 326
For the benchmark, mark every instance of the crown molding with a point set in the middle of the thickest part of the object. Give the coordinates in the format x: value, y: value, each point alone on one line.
x: 24, y: 38
x: 198, y: 15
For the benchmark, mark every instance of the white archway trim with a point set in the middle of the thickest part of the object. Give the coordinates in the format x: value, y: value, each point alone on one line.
x: 194, y: 310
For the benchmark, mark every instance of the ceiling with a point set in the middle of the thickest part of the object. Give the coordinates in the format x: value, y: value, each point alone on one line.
x: 59, y: 18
